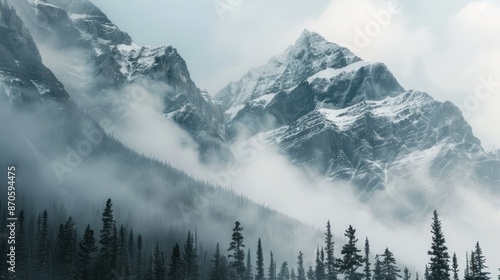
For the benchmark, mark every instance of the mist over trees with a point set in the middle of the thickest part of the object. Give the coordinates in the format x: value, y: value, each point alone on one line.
x: 113, y: 251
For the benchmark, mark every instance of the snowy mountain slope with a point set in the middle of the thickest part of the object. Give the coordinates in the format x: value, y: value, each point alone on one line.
x: 42, y: 126
x: 111, y: 61
x: 350, y: 120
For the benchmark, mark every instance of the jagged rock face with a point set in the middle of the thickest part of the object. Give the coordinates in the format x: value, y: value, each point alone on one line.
x: 350, y: 120
x: 23, y: 77
x: 115, y: 62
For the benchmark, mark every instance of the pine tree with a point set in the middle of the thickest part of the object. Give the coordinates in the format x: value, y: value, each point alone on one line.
x: 86, y: 253
x: 427, y: 275
x: 406, y: 274
x: 259, y: 262
x: 467, y: 272
x: 43, y: 254
x: 284, y: 272
x: 123, y: 257
x: 22, y: 247
x: 331, y: 271
x: 301, y: 272
x: 367, y: 268
x: 293, y: 276
x: 377, y: 271
x: 159, y: 267
x: 390, y: 270
x: 439, y: 268
x: 175, y: 270
x: 480, y: 260
x: 189, y: 259
x: 310, y: 274
x: 417, y: 277
x: 272, y: 268
x: 131, y: 251
x: 237, y: 266
x: 455, y: 267
x: 139, y: 259
x: 106, y: 257
x: 351, y: 260
x: 319, y: 271
x: 219, y: 270
x: 249, y: 267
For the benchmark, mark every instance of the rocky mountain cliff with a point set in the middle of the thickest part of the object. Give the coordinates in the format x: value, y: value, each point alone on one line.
x: 350, y: 120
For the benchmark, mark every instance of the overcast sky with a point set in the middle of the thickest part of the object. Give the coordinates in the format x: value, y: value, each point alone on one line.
x: 449, y: 49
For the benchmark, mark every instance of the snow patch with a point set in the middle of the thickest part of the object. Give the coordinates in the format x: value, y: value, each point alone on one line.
x: 330, y: 73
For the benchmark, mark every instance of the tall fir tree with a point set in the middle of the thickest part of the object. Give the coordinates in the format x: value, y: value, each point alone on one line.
x: 249, y: 267
x: 176, y: 268
x: 406, y: 274
x: 439, y: 268
x: 377, y: 270
x: 390, y: 270
x: 319, y: 270
x: 310, y: 274
x: 86, y: 254
x: 284, y: 273
x: 131, y: 252
x: 367, y: 265
x: 107, y: 239
x: 427, y: 275
x: 139, y: 272
x: 293, y: 276
x: 455, y: 267
x: 480, y: 273
x: 22, y: 249
x: 272, y: 268
x: 219, y: 269
x: 351, y: 259
x: 331, y: 270
x: 44, y: 250
x: 237, y: 265
x: 259, y: 262
x: 190, y: 259
x: 467, y: 271
x: 301, y: 272
x: 159, y: 264
x: 123, y: 257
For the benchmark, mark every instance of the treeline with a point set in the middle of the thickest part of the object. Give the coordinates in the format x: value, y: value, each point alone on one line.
x: 116, y: 253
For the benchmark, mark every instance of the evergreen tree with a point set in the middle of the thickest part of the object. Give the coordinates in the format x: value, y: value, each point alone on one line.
x: 427, y: 275
x: 377, y: 271
x: 86, y: 253
x: 319, y: 271
x: 189, y: 259
x: 390, y: 270
x: 310, y: 274
x: 159, y: 266
x: 416, y: 277
x: 467, y: 272
x: 439, y: 268
x: 331, y: 271
x: 43, y: 253
x: 455, y: 267
x: 237, y: 266
x: 301, y: 272
x: 123, y: 257
x: 22, y: 247
x: 249, y: 268
x: 293, y: 276
x: 175, y: 270
x: 131, y: 251
x: 219, y: 270
x: 406, y: 274
x: 139, y: 259
x: 473, y: 266
x: 284, y: 272
x: 272, y: 268
x: 480, y: 260
x: 106, y: 257
x: 367, y: 268
x: 259, y: 262
x: 351, y: 260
